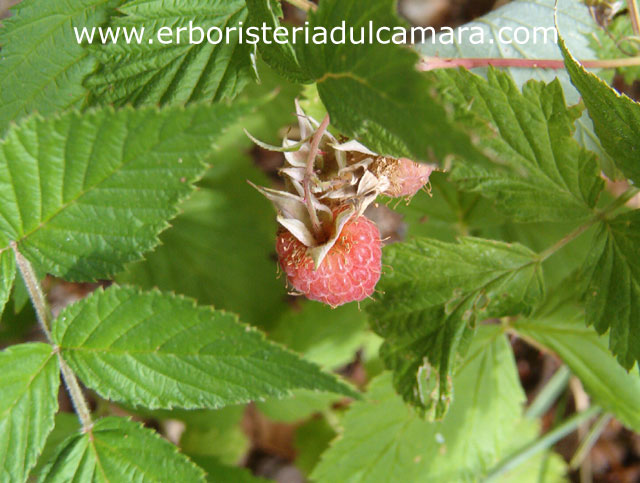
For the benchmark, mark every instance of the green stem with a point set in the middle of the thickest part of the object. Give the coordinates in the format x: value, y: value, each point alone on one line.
x: 634, y: 13
x: 588, y: 442
x: 549, y: 394
x: 77, y: 397
x: 601, y: 215
x: 541, y: 444
x: 34, y: 288
x: 44, y: 315
x: 305, y: 5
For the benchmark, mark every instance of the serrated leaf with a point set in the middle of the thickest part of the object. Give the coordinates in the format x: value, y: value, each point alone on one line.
x: 7, y: 275
x: 82, y: 194
x: 66, y: 425
x: 536, y: 18
x: 430, y: 301
x: 384, y: 440
x: 279, y: 56
x: 28, y: 403
x: 586, y: 353
x: 151, y: 72
x: 117, y: 449
x: 536, y: 170
x: 613, y: 293
x: 615, y: 116
x: 374, y: 92
x: 42, y: 65
x: 196, y: 257
x: 162, y: 351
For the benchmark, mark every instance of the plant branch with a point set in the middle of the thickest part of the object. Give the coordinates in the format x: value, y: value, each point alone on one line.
x: 549, y: 393
x: 305, y: 5
x: 77, y: 397
x: 43, y: 313
x: 541, y: 444
x: 34, y: 288
x: 601, y: 215
x: 634, y: 13
x: 430, y: 63
x: 309, y: 173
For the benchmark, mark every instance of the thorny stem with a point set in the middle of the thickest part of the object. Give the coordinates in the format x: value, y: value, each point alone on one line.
x: 431, y: 63
x: 311, y: 161
x: 305, y: 5
x: 43, y: 313
x: 617, y: 203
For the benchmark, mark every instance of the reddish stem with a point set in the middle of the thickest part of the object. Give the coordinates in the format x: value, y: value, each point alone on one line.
x: 430, y: 63
x: 311, y: 161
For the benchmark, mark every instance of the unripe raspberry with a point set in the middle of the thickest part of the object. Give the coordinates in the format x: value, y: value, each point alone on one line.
x: 349, y: 272
x: 406, y: 177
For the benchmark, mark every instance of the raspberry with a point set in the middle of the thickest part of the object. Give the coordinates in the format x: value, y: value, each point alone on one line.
x: 405, y: 177
x: 348, y: 273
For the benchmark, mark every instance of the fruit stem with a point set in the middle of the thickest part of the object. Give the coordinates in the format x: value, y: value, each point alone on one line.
x: 311, y: 160
x: 431, y: 63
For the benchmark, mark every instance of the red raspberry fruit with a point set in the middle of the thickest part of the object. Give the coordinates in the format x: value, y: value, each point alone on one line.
x: 348, y: 273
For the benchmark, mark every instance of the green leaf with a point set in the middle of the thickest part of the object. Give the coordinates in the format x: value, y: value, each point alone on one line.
x: 42, y: 64
x: 311, y: 440
x: 66, y: 425
x: 613, y: 293
x: 384, y: 440
x: 220, y: 473
x: 300, y: 406
x: 28, y: 403
x: 431, y: 300
x: 328, y: 337
x: 564, y: 332
x: 215, y: 433
x: 117, y: 449
x: 279, y: 56
x: 615, y: 116
x: 163, y: 351
x: 84, y: 194
x: 174, y: 73
x: 536, y: 19
x: 7, y: 275
x: 616, y: 41
x: 535, y: 171
x: 545, y: 466
x: 374, y: 92
x: 196, y: 257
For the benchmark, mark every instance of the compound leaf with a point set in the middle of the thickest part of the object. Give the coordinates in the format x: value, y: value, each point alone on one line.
x: 430, y: 301
x: 82, y: 194
x: 117, y: 449
x: 28, y: 403
x: 42, y: 64
x: 384, y: 440
x: 536, y: 171
x: 155, y: 72
x: 163, y: 351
